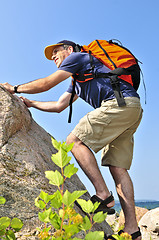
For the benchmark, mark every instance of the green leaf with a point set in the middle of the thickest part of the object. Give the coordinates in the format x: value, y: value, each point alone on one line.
x: 56, y: 201
x: 61, y: 158
x: 71, y: 229
x: 47, y: 229
x: 40, y: 204
x: 55, y: 143
x: 59, y: 238
x: 2, y: 232
x: 69, y: 198
x: 10, y: 235
x: 55, y: 220
x: 4, y: 222
x: 97, y: 235
x: 86, y: 225
x: 67, y: 147
x: 87, y: 206
x: 96, y: 205
x: 45, y: 196
x: 53, y: 238
x: 99, y: 217
x: 2, y: 200
x: 61, y: 212
x: 16, y: 224
x: 54, y: 177
x: 117, y: 237
x: 70, y: 170
x: 44, y: 216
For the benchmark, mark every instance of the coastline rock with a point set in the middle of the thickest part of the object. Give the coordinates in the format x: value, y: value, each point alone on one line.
x: 25, y: 155
x: 149, y: 225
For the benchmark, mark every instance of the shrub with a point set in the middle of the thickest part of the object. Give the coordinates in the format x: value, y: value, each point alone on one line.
x: 57, y: 210
x: 9, y: 226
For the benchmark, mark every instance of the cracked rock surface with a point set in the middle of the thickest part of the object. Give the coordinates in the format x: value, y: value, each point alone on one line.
x: 25, y: 155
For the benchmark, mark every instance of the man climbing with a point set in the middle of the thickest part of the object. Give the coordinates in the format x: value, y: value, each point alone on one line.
x: 108, y: 126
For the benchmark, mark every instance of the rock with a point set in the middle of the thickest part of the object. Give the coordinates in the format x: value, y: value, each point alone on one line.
x: 25, y: 155
x: 149, y: 224
x: 111, y: 219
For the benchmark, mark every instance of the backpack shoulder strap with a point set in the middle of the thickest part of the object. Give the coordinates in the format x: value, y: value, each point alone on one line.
x: 71, y: 99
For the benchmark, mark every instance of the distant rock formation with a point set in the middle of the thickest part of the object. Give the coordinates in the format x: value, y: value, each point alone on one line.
x: 25, y: 155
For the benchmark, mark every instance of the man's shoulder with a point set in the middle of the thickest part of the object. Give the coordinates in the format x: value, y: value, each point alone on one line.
x: 76, y: 56
x: 76, y: 59
x: 75, y: 62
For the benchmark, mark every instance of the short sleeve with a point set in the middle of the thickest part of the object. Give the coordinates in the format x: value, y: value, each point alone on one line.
x: 73, y: 63
x: 70, y: 88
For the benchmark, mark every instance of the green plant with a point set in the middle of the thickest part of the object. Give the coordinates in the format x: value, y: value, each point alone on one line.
x: 65, y: 220
x: 9, y: 226
x: 123, y: 236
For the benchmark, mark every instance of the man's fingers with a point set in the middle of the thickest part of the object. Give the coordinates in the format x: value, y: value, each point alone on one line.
x: 25, y: 101
x: 9, y: 87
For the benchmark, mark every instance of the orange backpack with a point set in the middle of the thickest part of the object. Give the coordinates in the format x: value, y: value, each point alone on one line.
x: 122, y: 63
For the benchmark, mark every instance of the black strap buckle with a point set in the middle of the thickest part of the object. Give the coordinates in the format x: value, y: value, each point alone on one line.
x: 114, y: 80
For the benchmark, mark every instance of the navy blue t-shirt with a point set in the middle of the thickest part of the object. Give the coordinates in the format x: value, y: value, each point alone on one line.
x: 96, y: 90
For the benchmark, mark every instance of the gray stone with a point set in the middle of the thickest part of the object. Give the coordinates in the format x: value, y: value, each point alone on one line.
x: 25, y: 155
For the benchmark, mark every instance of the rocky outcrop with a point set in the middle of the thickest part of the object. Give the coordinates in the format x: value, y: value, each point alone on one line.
x: 148, y: 221
x: 149, y: 225
x: 25, y: 155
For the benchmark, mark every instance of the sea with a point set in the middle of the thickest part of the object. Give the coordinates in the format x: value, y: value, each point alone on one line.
x: 149, y: 204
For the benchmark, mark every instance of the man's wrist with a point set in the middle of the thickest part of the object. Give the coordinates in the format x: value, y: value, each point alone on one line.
x: 16, y: 89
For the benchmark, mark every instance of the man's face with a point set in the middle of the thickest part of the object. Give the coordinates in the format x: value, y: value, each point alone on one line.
x: 59, y: 54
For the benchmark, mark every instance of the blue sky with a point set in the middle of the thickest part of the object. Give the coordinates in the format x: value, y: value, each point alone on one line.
x: 28, y: 26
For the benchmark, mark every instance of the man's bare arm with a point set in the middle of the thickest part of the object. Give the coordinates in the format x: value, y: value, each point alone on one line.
x: 41, y: 84
x: 57, y: 106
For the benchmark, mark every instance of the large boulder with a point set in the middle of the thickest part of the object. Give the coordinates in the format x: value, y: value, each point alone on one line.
x: 149, y: 225
x: 25, y: 155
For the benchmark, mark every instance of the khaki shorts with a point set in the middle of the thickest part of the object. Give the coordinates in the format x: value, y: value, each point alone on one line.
x: 111, y: 128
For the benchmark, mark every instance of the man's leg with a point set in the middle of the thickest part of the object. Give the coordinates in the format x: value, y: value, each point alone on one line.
x: 125, y: 192
x: 88, y: 163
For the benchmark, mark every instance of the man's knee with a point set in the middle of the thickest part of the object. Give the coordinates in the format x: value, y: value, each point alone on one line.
x: 71, y: 139
x: 117, y: 172
x: 115, y: 169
